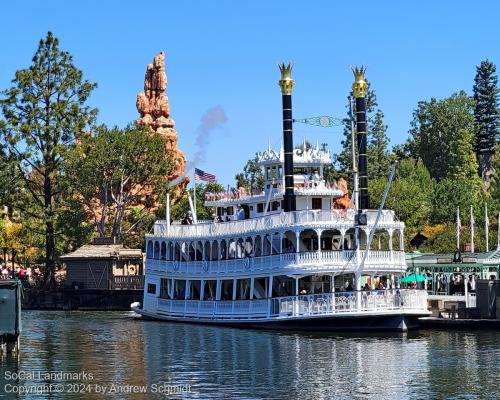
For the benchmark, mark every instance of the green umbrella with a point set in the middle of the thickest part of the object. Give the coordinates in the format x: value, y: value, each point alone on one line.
x: 415, y: 278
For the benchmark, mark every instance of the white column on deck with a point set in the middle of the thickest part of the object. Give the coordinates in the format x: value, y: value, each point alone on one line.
x: 251, y: 287
x: 357, y: 277
x: 218, y: 289
x: 235, y: 281
x: 318, y: 233
x: 270, y: 287
x: 202, y: 289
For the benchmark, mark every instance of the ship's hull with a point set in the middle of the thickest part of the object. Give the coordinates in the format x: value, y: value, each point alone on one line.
x: 398, y: 322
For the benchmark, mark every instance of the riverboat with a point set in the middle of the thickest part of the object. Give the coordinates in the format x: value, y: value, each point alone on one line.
x: 291, y: 257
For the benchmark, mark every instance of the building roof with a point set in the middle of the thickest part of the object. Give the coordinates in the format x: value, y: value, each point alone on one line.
x: 102, y: 251
x: 490, y: 258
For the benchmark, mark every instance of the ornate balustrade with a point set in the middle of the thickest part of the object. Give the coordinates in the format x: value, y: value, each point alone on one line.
x: 314, y: 260
x: 390, y: 301
x: 338, y: 219
x: 342, y: 302
x: 130, y: 282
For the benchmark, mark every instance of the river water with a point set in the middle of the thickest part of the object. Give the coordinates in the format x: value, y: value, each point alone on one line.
x: 118, y: 353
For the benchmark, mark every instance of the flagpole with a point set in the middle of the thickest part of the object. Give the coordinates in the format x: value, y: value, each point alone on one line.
x: 195, y: 216
x: 459, y: 227
x: 471, y: 230
x: 486, y: 227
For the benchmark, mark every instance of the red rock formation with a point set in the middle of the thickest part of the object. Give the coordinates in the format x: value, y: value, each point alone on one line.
x: 344, y: 201
x: 152, y: 105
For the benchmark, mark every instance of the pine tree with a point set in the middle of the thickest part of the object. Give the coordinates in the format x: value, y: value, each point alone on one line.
x: 343, y: 160
x: 378, y: 156
x: 45, y: 112
x: 486, y: 117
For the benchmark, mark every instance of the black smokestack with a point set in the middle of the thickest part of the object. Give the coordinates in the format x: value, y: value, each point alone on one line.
x: 360, y: 88
x: 286, y: 84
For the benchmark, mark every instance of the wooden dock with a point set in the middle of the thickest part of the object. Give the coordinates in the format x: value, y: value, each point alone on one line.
x: 459, y: 323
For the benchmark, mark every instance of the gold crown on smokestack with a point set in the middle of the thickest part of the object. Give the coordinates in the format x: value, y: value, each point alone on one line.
x: 286, y: 82
x: 359, y: 87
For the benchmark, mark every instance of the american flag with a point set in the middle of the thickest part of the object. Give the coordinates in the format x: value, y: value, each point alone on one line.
x: 200, y: 175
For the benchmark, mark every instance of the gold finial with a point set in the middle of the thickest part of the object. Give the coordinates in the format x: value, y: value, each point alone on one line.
x: 359, y: 87
x: 286, y: 82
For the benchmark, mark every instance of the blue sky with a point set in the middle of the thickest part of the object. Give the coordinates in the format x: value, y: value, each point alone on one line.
x: 225, y: 53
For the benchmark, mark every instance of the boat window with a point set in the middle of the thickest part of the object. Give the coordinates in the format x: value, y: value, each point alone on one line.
x: 260, y: 207
x: 275, y: 205
x: 151, y: 288
x: 316, y: 203
x: 164, y: 284
x: 229, y: 210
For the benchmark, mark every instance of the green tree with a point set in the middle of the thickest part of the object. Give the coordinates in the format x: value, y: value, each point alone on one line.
x: 252, y: 178
x: 450, y: 194
x: 486, y: 116
x: 181, y: 208
x: 377, y: 151
x: 410, y: 195
x: 44, y: 112
x: 441, y: 136
x: 343, y: 160
x: 118, y: 174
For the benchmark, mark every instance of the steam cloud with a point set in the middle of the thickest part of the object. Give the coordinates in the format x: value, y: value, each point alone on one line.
x: 211, y: 120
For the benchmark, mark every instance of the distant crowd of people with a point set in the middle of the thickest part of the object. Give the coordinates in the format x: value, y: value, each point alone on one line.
x: 28, y: 275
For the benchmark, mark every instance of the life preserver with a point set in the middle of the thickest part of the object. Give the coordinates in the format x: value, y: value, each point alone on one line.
x: 132, y: 269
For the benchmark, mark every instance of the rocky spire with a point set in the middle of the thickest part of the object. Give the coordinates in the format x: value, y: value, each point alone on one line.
x: 153, y: 106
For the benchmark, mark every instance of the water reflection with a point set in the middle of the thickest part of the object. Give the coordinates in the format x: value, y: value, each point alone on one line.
x: 232, y: 363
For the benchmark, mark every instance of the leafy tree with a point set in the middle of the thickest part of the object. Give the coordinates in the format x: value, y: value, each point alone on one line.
x: 378, y: 155
x: 44, y: 112
x: 181, y: 208
x: 441, y: 136
x: 252, y: 178
x: 450, y: 194
x: 343, y: 160
x: 116, y: 171
x: 410, y: 195
x: 486, y: 116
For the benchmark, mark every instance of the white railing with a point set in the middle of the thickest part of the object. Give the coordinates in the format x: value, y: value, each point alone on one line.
x: 342, y: 302
x: 331, y: 260
x: 221, y: 309
x: 338, y: 218
x: 390, y: 301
